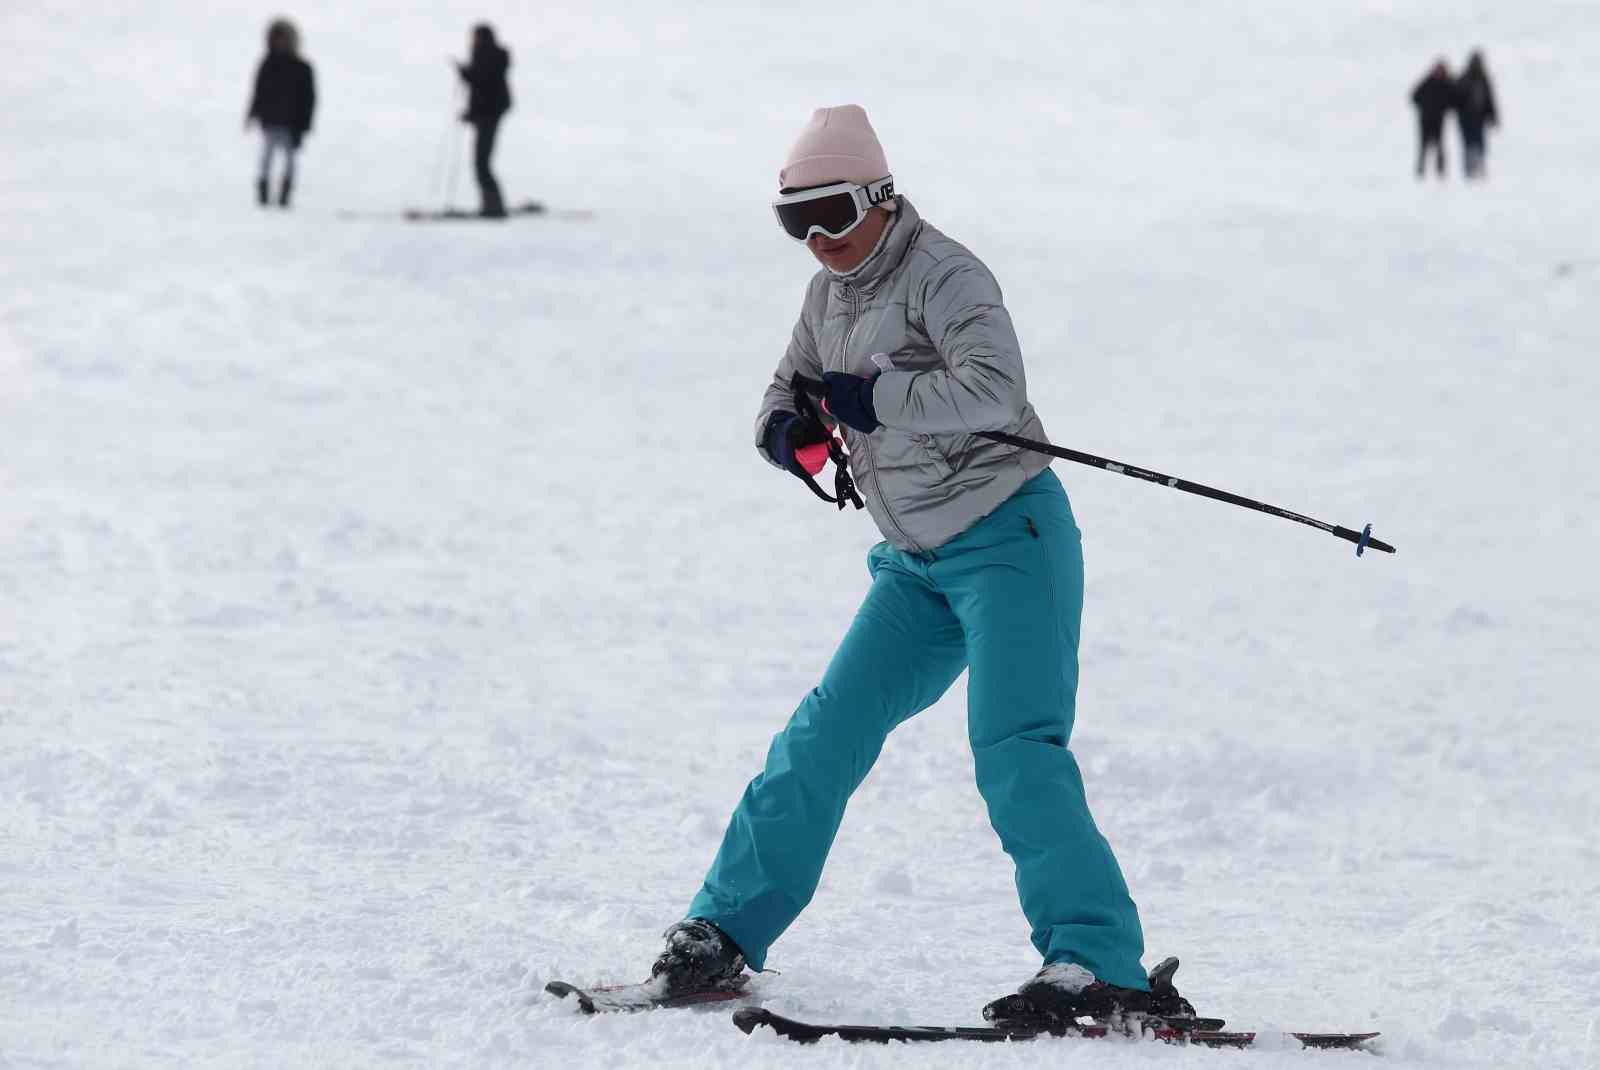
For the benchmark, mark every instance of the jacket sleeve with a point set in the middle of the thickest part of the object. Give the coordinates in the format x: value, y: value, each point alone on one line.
x: 308, y: 101
x: 981, y: 387
x: 255, y: 93
x: 802, y: 357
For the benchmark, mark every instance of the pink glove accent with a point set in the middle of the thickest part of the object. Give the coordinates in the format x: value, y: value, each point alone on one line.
x: 812, y: 458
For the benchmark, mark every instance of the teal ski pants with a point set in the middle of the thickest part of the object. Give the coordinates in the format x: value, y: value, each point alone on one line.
x: 1003, y: 601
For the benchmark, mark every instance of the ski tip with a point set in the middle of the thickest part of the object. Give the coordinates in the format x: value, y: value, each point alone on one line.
x: 747, y: 1018
x: 561, y: 990
x: 1336, y: 1041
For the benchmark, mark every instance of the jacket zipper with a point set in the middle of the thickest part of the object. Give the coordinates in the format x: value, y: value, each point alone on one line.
x: 855, y: 312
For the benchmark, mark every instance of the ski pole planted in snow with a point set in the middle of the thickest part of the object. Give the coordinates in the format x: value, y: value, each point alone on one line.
x: 1363, y: 538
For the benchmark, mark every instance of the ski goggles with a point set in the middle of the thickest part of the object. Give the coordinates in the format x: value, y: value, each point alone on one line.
x: 832, y: 211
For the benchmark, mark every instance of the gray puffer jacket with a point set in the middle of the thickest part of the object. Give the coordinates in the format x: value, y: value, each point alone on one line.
x: 925, y: 307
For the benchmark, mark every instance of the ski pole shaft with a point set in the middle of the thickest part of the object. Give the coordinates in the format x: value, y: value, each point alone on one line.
x: 1363, y: 539
x: 455, y: 164
x: 454, y: 147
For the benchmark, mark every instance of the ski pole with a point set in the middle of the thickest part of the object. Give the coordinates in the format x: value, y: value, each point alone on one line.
x: 450, y: 154
x: 1363, y: 538
x: 441, y: 160
x: 455, y: 169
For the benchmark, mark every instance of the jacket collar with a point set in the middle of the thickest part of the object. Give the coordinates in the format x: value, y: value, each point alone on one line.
x: 887, y: 255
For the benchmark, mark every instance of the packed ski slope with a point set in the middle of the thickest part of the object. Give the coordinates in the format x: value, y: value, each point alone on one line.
x: 390, y: 615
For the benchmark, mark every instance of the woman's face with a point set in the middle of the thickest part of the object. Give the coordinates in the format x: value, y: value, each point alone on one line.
x: 843, y: 255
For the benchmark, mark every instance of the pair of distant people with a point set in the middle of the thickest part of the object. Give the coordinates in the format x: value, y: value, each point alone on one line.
x: 285, y: 99
x: 1471, y: 97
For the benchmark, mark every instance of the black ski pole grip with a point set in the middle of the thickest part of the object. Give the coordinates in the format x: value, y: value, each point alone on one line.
x: 812, y: 388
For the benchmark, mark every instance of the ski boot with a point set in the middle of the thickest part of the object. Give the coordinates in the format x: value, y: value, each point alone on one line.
x: 1063, y: 992
x: 699, y: 957
x: 284, y: 191
x: 261, y: 192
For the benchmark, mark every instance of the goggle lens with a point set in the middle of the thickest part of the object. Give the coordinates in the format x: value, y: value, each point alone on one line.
x: 836, y: 214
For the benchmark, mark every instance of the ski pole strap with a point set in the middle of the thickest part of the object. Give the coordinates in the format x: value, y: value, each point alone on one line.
x: 810, y: 481
x: 1363, y: 540
x: 844, y: 487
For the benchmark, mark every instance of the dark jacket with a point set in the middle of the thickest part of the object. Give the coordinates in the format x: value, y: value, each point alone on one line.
x: 1475, y: 100
x: 286, y: 93
x: 486, y: 75
x: 1434, y: 96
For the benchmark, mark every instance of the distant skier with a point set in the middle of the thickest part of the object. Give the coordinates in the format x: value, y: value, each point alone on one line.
x: 981, y: 570
x: 1475, y: 111
x: 488, y: 102
x: 1433, y: 98
x: 284, y: 99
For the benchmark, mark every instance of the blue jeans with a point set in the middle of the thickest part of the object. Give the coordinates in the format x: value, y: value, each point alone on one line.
x: 276, y: 139
x: 1003, y: 601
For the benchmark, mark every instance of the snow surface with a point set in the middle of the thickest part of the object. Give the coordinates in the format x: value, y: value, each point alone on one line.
x: 391, y: 615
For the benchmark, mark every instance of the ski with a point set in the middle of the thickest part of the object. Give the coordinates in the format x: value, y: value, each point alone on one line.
x: 608, y: 999
x: 463, y: 215
x: 748, y: 1019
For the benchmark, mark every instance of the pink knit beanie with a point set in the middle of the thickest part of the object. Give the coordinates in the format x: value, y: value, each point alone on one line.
x: 837, y: 145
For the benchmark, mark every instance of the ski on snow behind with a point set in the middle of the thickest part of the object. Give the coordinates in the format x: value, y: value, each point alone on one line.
x: 609, y: 999
x: 1166, y: 1030
x: 463, y: 215
x: 526, y: 208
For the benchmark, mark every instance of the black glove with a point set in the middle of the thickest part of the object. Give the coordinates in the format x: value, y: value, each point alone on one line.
x: 803, y: 444
x: 849, y: 400
x: 799, y: 444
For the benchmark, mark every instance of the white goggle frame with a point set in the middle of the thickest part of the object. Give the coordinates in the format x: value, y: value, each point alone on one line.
x: 864, y: 198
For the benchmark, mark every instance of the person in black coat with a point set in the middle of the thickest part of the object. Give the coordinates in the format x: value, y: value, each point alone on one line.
x: 1433, y: 97
x: 489, y: 100
x: 1475, y: 112
x: 285, y: 97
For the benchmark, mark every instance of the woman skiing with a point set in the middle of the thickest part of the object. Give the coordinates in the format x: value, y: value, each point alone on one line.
x: 906, y: 341
x: 284, y: 99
